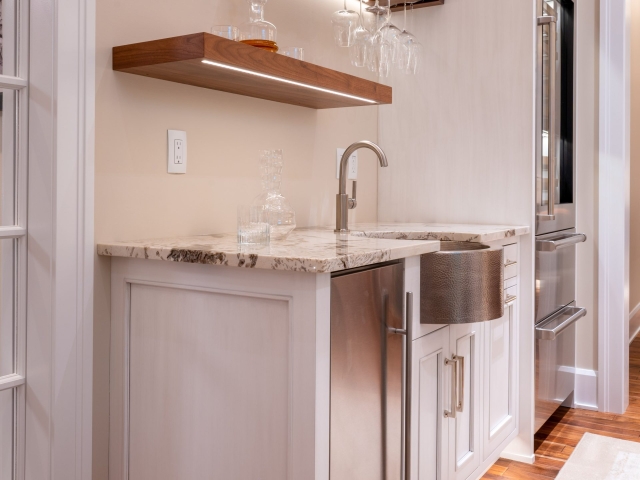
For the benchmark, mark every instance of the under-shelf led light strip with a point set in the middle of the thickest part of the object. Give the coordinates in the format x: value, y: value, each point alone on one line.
x: 290, y: 82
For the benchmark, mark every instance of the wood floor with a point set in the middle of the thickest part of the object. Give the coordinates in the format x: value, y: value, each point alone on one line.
x: 559, y: 436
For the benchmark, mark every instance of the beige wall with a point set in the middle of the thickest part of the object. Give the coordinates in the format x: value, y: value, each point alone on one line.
x: 136, y: 198
x: 634, y: 247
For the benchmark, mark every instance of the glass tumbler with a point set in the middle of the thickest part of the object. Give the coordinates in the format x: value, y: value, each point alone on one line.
x: 253, y: 226
x: 226, y: 31
x: 293, y: 52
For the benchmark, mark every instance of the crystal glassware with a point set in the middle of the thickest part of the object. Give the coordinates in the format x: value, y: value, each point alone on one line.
x: 253, y: 226
x: 409, y: 54
x: 282, y: 218
x: 358, y: 49
x: 293, y: 52
x: 226, y: 31
x: 257, y: 32
x: 379, y: 53
x: 344, y: 24
x: 377, y: 16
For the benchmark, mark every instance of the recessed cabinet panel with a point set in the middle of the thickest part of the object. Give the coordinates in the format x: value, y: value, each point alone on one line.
x: 499, y: 342
x: 209, y: 386
x: 464, y: 440
x: 500, y: 380
x: 429, y: 400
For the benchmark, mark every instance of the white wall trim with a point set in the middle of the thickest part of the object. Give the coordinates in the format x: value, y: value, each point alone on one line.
x: 634, y: 323
x: 613, y: 228
x: 586, y: 389
x: 516, y: 457
x: 60, y: 244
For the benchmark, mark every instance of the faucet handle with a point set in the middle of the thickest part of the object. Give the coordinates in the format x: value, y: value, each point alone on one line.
x: 353, y: 203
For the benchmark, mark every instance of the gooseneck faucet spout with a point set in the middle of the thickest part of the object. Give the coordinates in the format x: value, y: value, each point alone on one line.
x: 343, y: 202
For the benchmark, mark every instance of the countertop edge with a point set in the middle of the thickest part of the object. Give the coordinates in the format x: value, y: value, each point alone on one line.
x: 253, y: 260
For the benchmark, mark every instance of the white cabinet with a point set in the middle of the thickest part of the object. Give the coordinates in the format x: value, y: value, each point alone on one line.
x: 464, y: 431
x: 430, y: 396
x: 445, y: 403
x: 500, y: 379
x: 464, y: 386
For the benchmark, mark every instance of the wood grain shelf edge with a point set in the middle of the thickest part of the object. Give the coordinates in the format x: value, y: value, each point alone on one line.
x: 179, y: 59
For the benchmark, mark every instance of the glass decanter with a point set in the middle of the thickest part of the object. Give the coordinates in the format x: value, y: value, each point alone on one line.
x: 257, y: 32
x: 282, y: 218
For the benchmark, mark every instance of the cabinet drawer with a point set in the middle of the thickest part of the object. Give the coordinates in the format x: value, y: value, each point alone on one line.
x: 510, y: 293
x: 510, y: 271
x: 510, y: 253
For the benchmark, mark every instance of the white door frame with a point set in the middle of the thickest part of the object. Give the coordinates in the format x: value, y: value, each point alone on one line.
x: 59, y: 370
x: 614, y: 188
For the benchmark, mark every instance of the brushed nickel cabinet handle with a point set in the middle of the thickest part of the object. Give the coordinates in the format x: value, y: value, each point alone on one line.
x: 460, y: 390
x: 453, y: 363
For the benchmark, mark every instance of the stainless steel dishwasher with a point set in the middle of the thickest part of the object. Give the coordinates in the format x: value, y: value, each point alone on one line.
x: 367, y: 364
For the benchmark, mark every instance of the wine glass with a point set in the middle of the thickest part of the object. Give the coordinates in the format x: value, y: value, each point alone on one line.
x: 361, y: 38
x: 409, y: 49
x: 344, y: 23
x: 376, y: 17
x: 378, y: 54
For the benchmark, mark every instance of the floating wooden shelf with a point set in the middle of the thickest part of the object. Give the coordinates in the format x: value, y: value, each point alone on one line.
x: 208, y: 61
x: 397, y: 6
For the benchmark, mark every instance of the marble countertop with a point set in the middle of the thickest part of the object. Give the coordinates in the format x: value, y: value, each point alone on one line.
x: 437, y: 231
x: 316, y: 250
x: 304, y: 250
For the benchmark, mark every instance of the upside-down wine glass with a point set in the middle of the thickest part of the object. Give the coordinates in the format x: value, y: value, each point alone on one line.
x: 374, y: 21
x: 344, y: 24
x: 361, y: 38
x: 410, y: 49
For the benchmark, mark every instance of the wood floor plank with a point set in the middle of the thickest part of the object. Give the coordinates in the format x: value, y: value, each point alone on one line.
x: 557, y: 439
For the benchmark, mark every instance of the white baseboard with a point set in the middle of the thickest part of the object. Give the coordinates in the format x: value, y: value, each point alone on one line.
x: 586, y: 389
x: 516, y: 457
x: 634, y: 323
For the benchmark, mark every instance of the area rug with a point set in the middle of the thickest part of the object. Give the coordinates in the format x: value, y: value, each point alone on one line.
x: 602, y: 458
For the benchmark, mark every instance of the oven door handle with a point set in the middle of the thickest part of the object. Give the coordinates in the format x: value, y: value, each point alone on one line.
x: 565, y: 241
x: 550, y: 330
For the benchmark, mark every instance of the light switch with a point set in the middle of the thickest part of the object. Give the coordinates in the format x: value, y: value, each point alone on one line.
x: 177, y: 151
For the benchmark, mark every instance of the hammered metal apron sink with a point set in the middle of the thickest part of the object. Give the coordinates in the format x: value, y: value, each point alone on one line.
x: 462, y: 283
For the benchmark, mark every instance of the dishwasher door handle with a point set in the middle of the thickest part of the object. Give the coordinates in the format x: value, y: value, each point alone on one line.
x: 559, y: 322
x: 408, y: 355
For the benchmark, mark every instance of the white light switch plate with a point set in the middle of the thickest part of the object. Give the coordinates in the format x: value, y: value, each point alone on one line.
x: 352, y: 169
x: 176, y: 151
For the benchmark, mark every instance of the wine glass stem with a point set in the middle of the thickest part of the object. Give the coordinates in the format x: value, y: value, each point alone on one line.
x: 405, y: 17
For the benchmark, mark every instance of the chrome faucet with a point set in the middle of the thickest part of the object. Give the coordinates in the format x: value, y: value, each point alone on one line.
x: 343, y: 202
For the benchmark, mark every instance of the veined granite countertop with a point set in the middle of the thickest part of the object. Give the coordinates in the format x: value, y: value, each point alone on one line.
x: 304, y: 250
x: 437, y: 231
x: 316, y: 250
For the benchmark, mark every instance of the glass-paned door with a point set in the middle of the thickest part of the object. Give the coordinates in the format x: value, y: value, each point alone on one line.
x: 13, y: 195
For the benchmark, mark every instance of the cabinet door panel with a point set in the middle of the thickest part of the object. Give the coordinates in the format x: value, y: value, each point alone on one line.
x: 464, y: 435
x: 500, y: 377
x: 430, y: 384
x: 209, y: 382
